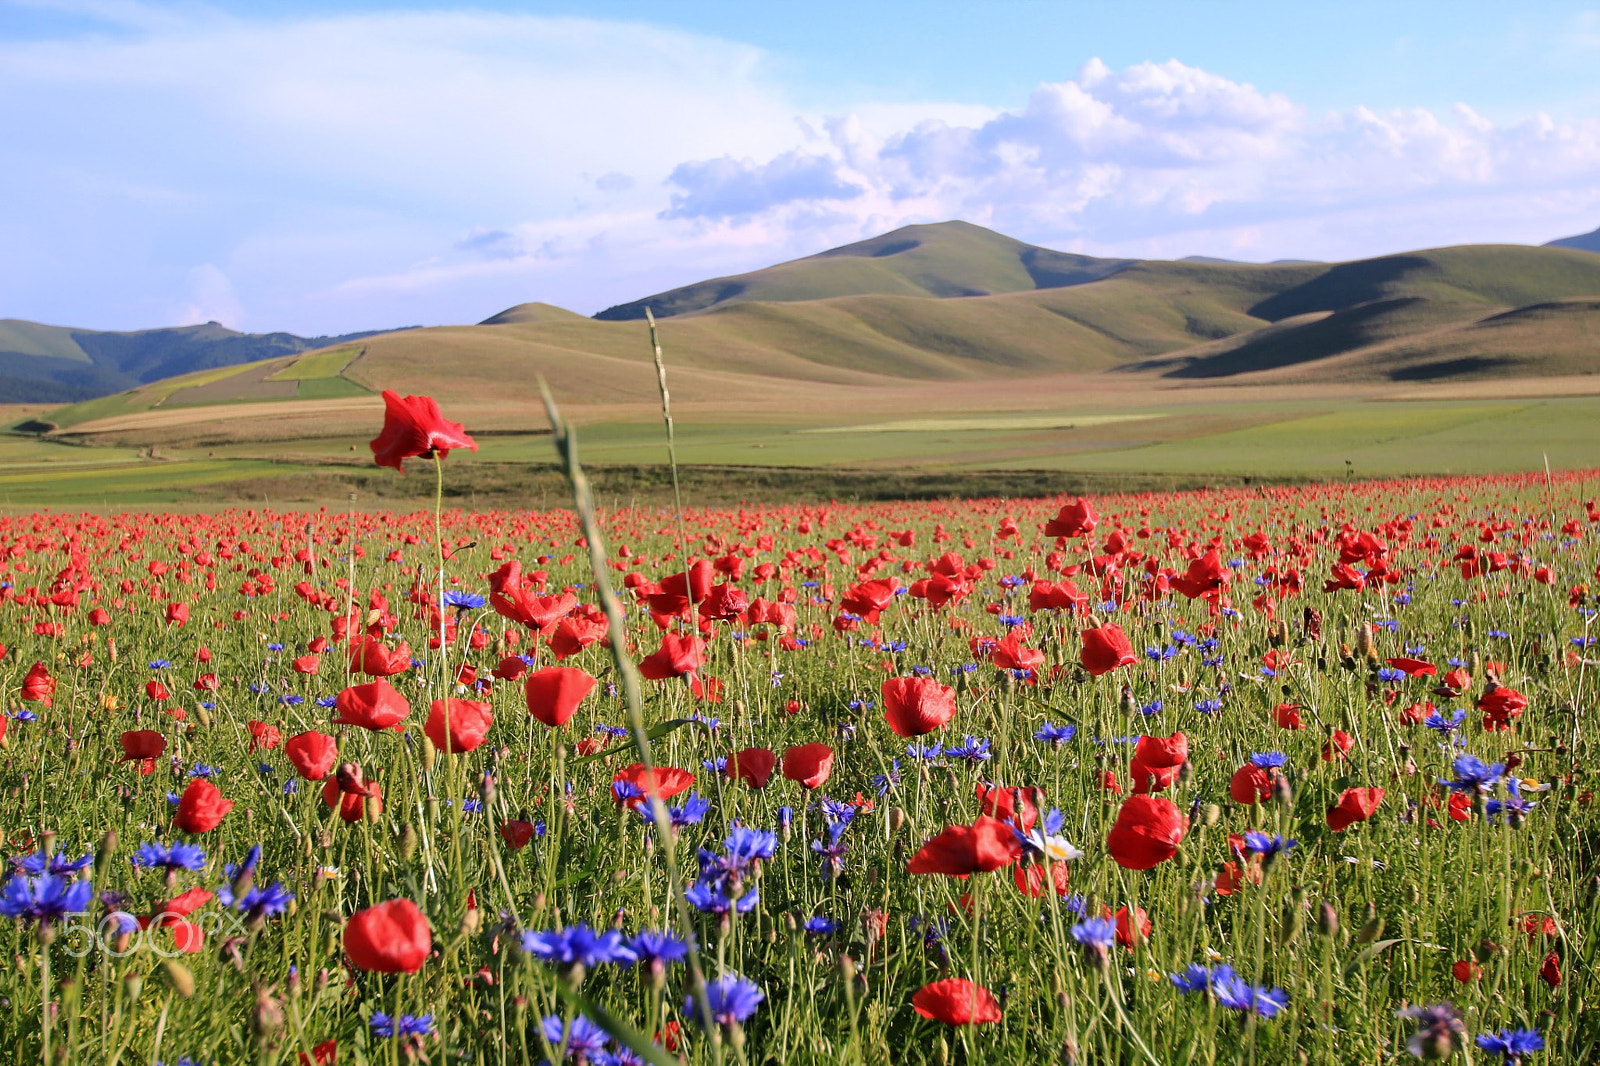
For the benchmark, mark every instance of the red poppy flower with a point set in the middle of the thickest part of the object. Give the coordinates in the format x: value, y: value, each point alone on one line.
x: 177, y: 614
x: 914, y: 706
x: 809, y: 764
x: 1251, y: 784
x: 413, y: 426
x: 1156, y: 762
x: 1030, y: 878
x: 753, y: 766
x: 469, y: 723
x: 1105, y: 649
x: 576, y: 632
x: 263, y: 736
x: 956, y: 1001
x: 666, y: 782
x: 38, y: 685
x: 1146, y: 832
x: 1019, y: 806
x: 323, y: 1054
x: 1076, y: 519
x: 554, y: 693
x: 1126, y: 935
x: 392, y: 937
x: 375, y: 705
x: 1499, y: 706
x: 143, y: 746
x: 1413, y: 667
x: 202, y: 807
x: 1287, y: 715
x: 516, y: 833
x: 1338, y: 745
x: 156, y: 691
x: 1466, y: 971
x: 678, y: 655
x: 370, y: 656
x: 510, y: 668
x: 308, y: 664
x: 1550, y: 970
x: 312, y: 754
x: 349, y: 790
x: 963, y: 850
x: 1355, y: 805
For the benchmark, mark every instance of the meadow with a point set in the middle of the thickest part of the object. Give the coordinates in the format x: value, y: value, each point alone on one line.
x: 1249, y: 775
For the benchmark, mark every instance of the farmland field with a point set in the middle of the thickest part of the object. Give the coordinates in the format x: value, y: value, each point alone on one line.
x: 1243, y: 775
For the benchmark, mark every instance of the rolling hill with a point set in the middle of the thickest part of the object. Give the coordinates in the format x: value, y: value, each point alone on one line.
x: 889, y: 318
x: 944, y: 259
x: 1584, y: 242
x: 59, y: 364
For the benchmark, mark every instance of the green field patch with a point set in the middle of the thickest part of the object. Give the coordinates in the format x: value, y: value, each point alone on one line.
x: 994, y: 423
x: 330, y: 388
x: 315, y: 365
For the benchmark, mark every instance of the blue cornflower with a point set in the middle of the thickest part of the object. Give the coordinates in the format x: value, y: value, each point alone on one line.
x: 252, y: 859
x: 1269, y: 760
x: 463, y: 601
x: 1267, y: 844
x: 170, y: 856
x: 882, y: 782
x: 258, y: 902
x: 405, y: 1025
x: 708, y: 897
x: 1161, y: 655
x: 834, y: 850
x: 718, y: 765
x: 36, y: 864
x: 24, y: 715
x: 838, y: 810
x: 291, y: 786
x: 160, y: 664
x: 692, y: 811
x: 1151, y: 709
x: 1050, y: 733
x: 291, y: 700
x: 972, y: 749
x: 926, y: 752
x: 1514, y: 806
x: 1473, y: 774
x: 1208, y: 706
x: 1439, y: 723
x: 746, y: 846
x: 584, y: 1040
x: 202, y: 770
x: 1197, y: 978
x: 1512, y: 1044
x: 731, y: 998
x: 1390, y: 676
x: 1180, y: 638
x: 820, y: 926
x: 615, y: 731
x: 1095, y: 932
x: 471, y: 806
x: 626, y: 791
x: 1238, y: 994
x: 45, y: 898
x: 785, y: 816
x: 577, y: 945
x: 327, y: 701
x: 657, y: 950
x: 274, y: 647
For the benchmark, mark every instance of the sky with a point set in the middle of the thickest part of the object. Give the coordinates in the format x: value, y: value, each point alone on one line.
x: 334, y: 166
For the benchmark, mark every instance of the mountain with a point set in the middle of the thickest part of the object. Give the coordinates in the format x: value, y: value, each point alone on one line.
x: 943, y: 259
x: 1436, y: 315
x: 1586, y: 242
x: 44, y: 364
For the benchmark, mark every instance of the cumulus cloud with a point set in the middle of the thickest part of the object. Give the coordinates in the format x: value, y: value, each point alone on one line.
x: 363, y: 170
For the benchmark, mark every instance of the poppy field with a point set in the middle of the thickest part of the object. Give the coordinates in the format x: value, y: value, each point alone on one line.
x: 1260, y: 775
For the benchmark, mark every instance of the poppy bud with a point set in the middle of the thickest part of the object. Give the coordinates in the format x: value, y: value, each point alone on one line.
x: 406, y: 843
x: 1372, y: 928
x: 1130, y: 706
x: 1186, y: 772
x: 181, y: 979
x: 897, y: 818
x: 1210, y: 814
x: 486, y: 790
x: 133, y: 984
x: 1366, y: 645
x: 108, y: 850
x: 430, y: 755
x: 1282, y: 791
x: 204, y: 716
x: 1328, y: 919
x: 1294, y: 916
x: 267, y: 1018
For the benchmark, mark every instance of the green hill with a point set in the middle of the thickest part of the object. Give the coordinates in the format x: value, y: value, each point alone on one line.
x: 940, y: 260
x: 45, y: 364
x: 1429, y: 316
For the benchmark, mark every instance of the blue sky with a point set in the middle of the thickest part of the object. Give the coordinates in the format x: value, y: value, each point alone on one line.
x: 338, y: 166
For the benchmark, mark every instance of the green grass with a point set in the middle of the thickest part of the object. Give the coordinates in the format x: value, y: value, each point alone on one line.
x: 328, y: 388
x: 313, y: 365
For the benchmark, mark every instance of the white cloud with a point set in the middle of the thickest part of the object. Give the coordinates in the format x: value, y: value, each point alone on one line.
x: 369, y: 170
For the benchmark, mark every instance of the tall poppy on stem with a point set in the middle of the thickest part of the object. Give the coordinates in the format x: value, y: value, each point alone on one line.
x: 412, y: 427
